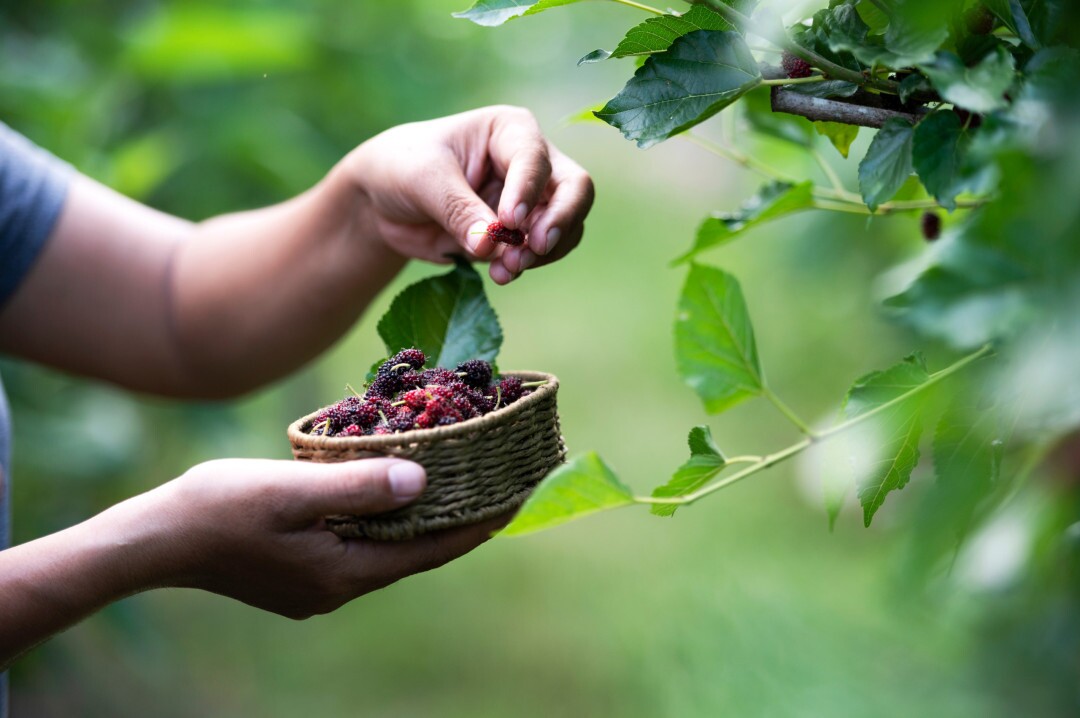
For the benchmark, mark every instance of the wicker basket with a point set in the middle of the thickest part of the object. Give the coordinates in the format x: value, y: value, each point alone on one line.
x: 478, y: 469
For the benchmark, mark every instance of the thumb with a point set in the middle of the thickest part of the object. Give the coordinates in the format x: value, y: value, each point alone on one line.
x: 451, y: 201
x: 367, y: 486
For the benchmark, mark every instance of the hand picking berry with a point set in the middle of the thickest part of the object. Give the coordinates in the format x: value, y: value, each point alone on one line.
x: 405, y: 396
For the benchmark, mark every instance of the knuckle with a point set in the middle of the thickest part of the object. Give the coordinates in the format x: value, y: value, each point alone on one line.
x: 456, y: 210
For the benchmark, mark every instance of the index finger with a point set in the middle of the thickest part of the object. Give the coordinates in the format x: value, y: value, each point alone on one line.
x: 520, y: 152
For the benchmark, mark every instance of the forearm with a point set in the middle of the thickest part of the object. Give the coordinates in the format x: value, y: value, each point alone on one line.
x: 153, y: 303
x: 52, y: 583
x: 257, y: 294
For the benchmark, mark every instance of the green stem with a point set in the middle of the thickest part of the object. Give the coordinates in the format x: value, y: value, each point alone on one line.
x: 639, y: 6
x: 787, y: 412
x: 783, y: 454
x: 834, y: 203
x: 739, y: 158
x: 830, y: 173
x: 795, y: 80
x: 748, y: 459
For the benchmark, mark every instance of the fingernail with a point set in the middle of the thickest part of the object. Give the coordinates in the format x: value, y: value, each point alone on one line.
x: 553, y: 236
x: 520, y: 214
x: 406, y: 480
x: 527, y: 260
x: 476, y: 233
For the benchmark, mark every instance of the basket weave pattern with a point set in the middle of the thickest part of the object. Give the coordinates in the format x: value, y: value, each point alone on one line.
x: 478, y: 469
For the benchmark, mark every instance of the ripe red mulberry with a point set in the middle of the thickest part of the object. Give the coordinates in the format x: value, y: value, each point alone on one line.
x: 503, y: 234
x: 795, y: 66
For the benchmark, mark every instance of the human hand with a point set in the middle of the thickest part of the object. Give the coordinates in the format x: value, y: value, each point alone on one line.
x: 435, y: 186
x: 252, y: 530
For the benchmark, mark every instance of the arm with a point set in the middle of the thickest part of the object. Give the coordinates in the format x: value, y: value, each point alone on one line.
x: 154, y: 303
x: 246, y: 529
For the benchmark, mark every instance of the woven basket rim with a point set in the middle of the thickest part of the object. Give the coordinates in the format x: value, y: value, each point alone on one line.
x: 299, y: 437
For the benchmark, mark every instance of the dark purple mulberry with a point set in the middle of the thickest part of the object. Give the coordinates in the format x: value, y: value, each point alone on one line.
x: 510, y: 390
x: 413, y: 357
x: 366, y: 415
x: 464, y: 407
x: 404, y: 419
x: 475, y: 372
x: 931, y: 225
x: 438, y: 376
x: 384, y: 386
x: 795, y: 66
x: 352, y: 430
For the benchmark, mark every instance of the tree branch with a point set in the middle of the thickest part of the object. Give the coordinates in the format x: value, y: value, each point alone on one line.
x: 823, y: 110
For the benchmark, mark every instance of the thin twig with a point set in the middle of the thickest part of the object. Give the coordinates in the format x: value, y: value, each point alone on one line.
x: 786, y: 453
x: 791, y: 416
x: 639, y: 6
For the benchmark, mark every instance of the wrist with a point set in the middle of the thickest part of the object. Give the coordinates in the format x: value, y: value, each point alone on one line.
x: 134, y: 545
x: 345, y: 187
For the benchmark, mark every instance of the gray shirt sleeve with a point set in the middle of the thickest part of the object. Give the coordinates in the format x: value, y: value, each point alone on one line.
x: 33, y: 185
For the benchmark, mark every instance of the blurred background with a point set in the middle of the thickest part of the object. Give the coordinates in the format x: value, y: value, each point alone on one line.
x: 744, y: 604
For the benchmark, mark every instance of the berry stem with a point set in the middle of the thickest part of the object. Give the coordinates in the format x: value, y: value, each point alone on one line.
x: 739, y: 158
x: 354, y: 391
x: 769, y: 460
x: 788, y: 413
x: 794, y: 80
x: 830, y: 174
x: 639, y: 6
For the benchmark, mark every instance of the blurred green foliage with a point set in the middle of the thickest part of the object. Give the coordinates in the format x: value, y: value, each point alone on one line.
x: 744, y: 605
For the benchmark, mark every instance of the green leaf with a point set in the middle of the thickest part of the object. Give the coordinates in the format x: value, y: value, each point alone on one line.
x: 791, y: 128
x: 657, y: 33
x: 699, y: 75
x: 581, y: 487
x: 774, y: 200
x: 833, y: 30
x: 448, y: 317
x: 491, y: 13
x: 825, y: 89
x: 917, y: 29
x: 887, y: 163
x: 705, y: 462
x: 897, y: 430
x: 938, y: 156
x: 1009, y: 265
x: 1013, y: 15
x: 978, y: 89
x: 839, y: 134
x: 968, y: 447
x: 912, y: 84
x: 873, y: 16
x: 714, y: 340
